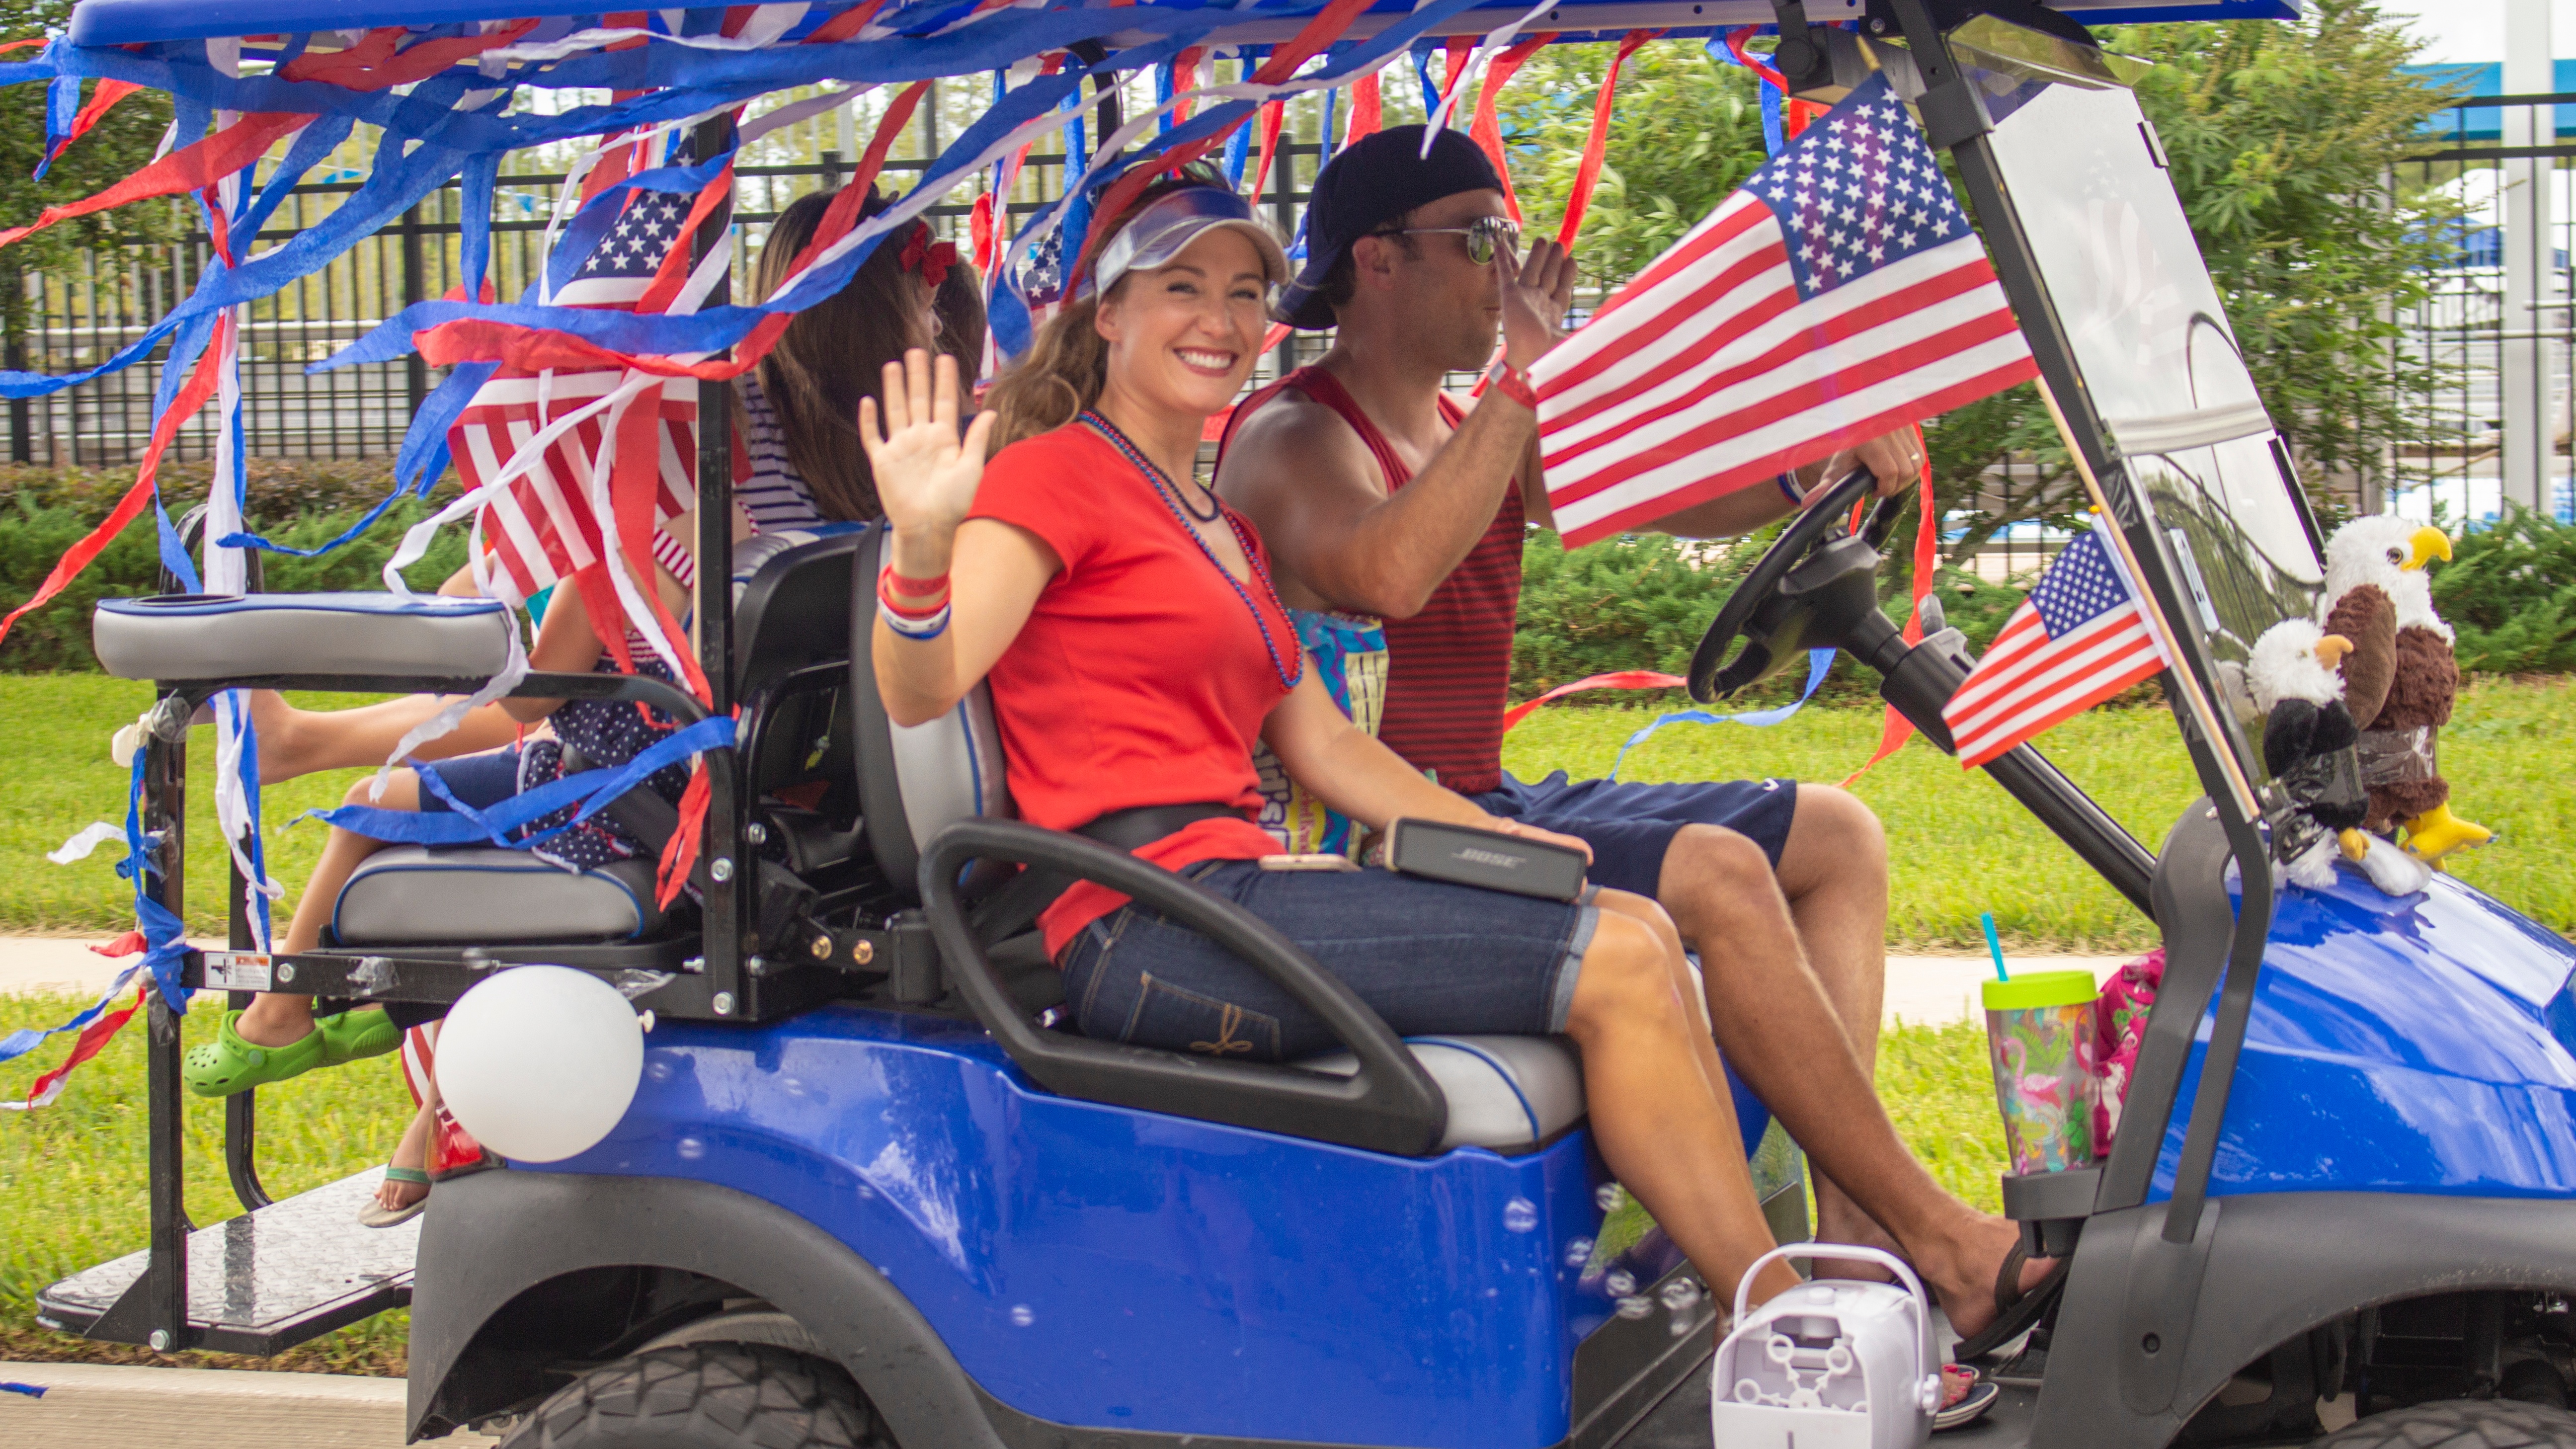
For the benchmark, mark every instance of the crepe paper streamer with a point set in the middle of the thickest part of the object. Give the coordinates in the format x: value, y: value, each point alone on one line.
x: 33, y: 1391
x: 1775, y: 88
x: 1368, y: 108
x: 462, y: 824
x: 1927, y: 558
x: 80, y: 845
x: 101, y: 101
x: 191, y: 168
x: 1616, y: 679
x: 1819, y: 661
x: 1994, y: 945
x: 1596, y: 147
x: 1486, y: 128
x: 48, y: 1089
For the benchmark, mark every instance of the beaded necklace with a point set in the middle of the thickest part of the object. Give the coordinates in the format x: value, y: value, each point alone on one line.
x: 1165, y: 490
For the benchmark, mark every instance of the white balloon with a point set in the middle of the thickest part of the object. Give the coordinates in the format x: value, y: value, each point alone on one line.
x: 539, y: 1062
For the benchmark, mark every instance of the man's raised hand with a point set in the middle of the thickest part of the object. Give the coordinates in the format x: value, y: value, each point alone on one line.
x: 925, y: 474
x: 1536, y: 293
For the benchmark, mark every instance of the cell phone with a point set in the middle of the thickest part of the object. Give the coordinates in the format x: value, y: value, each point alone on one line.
x: 1490, y: 859
x: 1311, y: 860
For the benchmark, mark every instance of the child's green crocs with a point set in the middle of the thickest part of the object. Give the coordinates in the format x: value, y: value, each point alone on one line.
x: 357, y: 1034
x: 228, y: 1064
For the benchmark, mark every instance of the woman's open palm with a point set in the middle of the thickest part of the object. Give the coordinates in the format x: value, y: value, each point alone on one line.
x: 925, y: 474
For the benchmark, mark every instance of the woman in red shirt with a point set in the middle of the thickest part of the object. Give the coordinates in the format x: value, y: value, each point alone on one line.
x: 1137, y: 653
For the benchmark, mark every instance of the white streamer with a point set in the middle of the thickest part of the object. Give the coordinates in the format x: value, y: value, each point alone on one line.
x: 79, y: 846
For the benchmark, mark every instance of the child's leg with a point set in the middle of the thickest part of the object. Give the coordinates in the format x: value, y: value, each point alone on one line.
x: 276, y: 1019
x: 296, y: 742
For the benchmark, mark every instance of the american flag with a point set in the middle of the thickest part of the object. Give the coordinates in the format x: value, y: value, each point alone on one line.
x: 1840, y: 294
x: 2079, y: 639
x: 541, y: 527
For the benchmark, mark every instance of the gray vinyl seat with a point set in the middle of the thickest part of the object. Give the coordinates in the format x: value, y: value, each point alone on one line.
x: 483, y: 895
x: 1505, y: 1093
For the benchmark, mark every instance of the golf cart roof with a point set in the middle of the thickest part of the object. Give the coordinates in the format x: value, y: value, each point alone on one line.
x: 126, y: 22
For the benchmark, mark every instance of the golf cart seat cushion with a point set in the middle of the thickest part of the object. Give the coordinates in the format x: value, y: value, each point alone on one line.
x: 1506, y: 1093
x: 411, y: 895
x: 219, y: 636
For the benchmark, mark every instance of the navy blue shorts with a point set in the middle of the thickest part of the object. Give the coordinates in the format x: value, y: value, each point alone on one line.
x: 1428, y: 956
x: 480, y: 781
x: 1630, y: 827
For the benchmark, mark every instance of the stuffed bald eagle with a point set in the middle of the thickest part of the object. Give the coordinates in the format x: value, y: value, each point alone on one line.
x: 2308, y: 745
x: 2399, y: 694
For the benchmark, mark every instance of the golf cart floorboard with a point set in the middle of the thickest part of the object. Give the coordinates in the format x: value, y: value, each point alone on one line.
x: 265, y: 1281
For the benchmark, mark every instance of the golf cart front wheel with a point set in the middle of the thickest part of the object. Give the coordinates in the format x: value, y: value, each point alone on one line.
x: 2459, y: 1424
x: 706, y: 1395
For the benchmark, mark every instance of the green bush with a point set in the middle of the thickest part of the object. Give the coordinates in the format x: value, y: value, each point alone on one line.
x: 33, y: 535
x: 1643, y: 601
x: 2509, y: 592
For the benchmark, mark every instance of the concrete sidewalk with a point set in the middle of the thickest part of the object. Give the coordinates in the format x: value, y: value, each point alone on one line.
x: 1923, y: 990
x: 100, y: 1406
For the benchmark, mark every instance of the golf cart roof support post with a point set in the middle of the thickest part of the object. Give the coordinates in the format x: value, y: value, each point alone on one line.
x: 724, y: 873
x: 154, y: 1310
x: 2227, y: 1034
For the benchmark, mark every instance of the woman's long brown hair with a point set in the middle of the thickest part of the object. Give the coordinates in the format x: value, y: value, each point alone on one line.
x: 835, y: 351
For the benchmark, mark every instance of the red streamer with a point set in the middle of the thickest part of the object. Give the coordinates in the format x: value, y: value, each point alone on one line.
x: 373, y: 64
x: 92, y: 1040
x: 1271, y: 117
x: 200, y: 386
x: 1588, y: 174
x: 102, y: 99
x: 1368, y: 110
x: 190, y: 168
x: 1486, y: 130
x: 1616, y: 679
x: 1927, y: 557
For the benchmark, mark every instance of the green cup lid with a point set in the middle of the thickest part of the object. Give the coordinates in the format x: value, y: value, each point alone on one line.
x: 2041, y: 988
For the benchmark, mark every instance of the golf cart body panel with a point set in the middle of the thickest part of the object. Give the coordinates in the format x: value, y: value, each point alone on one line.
x: 2425, y: 1044
x: 1191, y: 1277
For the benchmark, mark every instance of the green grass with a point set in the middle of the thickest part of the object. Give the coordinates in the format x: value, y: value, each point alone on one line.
x: 55, y: 777
x: 72, y: 1177
x: 1958, y: 845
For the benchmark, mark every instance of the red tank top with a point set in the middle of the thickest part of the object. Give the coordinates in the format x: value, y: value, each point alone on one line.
x: 1449, y: 667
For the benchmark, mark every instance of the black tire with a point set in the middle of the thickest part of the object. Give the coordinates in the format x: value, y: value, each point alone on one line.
x: 707, y: 1396
x: 2459, y: 1424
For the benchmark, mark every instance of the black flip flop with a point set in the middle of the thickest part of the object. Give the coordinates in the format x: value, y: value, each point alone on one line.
x: 2015, y: 1310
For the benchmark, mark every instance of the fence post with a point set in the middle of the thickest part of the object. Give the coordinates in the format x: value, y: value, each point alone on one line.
x: 415, y: 283
x: 1285, y: 355
x: 22, y: 429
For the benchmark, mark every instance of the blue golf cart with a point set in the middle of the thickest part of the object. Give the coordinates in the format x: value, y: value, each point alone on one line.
x: 870, y: 1193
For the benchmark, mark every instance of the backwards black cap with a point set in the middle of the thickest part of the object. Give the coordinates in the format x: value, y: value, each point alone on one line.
x: 1375, y: 180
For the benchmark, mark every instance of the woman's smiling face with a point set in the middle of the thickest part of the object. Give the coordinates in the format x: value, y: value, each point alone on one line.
x: 1184, y: 337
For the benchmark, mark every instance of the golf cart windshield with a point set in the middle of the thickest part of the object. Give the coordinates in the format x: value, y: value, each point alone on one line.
x: 2161, y: 367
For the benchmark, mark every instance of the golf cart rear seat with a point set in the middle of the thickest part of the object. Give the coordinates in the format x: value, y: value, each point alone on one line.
x: 943, y: 780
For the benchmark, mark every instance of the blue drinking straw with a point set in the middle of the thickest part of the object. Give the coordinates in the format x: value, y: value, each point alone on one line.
x: 1994, y: 945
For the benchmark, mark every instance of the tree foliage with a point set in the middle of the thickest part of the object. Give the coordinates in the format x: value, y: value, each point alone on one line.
x: 2282, y: 135
x: 121, y: 144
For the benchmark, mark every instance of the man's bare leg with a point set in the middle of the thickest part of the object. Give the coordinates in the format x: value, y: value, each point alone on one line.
x: 296, y: 742
x: 1776, y: 1015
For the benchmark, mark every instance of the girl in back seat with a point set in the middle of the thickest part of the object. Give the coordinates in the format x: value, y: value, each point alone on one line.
x: 1136, y: 651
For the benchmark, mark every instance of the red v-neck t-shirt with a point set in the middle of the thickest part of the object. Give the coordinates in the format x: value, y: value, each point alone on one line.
x: 1140, y: 677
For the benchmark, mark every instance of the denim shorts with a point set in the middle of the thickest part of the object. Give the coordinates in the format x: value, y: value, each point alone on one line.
x: 1630, y: 827
x: 1427, y: 956
x: 480, y: 781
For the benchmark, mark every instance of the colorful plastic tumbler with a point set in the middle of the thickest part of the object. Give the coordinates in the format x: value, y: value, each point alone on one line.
x: 2039, y: 1035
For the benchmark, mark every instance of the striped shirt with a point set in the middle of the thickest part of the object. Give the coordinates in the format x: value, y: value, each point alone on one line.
x: 764, y: 482
x: 1450, y: 666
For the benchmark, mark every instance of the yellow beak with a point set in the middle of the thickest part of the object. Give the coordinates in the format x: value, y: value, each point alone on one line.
x: 2427, y: 544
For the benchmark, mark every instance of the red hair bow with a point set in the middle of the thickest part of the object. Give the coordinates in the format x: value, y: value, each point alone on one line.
x: 931, y: 259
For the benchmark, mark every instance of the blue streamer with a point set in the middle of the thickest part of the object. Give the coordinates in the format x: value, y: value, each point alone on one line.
x: 33, y: 1391
x: 165, y: 937
x: 1774, y: 134
x: 1819, y: 661
x: 62, y: 107
x: 591, y: 789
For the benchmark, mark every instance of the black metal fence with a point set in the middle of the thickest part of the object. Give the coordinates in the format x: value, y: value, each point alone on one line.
x: 81, y: 318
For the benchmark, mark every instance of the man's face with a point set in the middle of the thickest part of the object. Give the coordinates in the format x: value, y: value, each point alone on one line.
x: 1445, y: 298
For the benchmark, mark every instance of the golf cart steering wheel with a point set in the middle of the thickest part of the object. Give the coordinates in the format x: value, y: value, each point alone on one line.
x: 1775, y: 621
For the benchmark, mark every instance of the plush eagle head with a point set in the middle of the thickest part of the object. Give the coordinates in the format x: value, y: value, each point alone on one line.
x: 2391, y: 552
x: 2286, y: 664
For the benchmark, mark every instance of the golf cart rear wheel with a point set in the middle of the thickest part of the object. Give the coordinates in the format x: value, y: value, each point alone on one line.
x: 705, y: 1395
x: 2459, y: 1424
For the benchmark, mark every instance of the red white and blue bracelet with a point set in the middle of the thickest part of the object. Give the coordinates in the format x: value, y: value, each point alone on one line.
x: 912, y: 620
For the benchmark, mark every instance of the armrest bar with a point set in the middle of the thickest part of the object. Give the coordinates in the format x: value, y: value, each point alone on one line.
x: 1390, y: 1105
x: 661, y: 694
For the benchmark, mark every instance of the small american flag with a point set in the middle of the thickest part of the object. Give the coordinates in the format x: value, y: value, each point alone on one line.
x: 1840, y: 294
x: 2079, y: 639
x: 541, y: 528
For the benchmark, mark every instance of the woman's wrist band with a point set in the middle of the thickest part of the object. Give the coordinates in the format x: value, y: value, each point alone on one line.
x: 914, y: 618
x: 912, y: 588
x: 926, y: 628
x: 1512, y: 383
